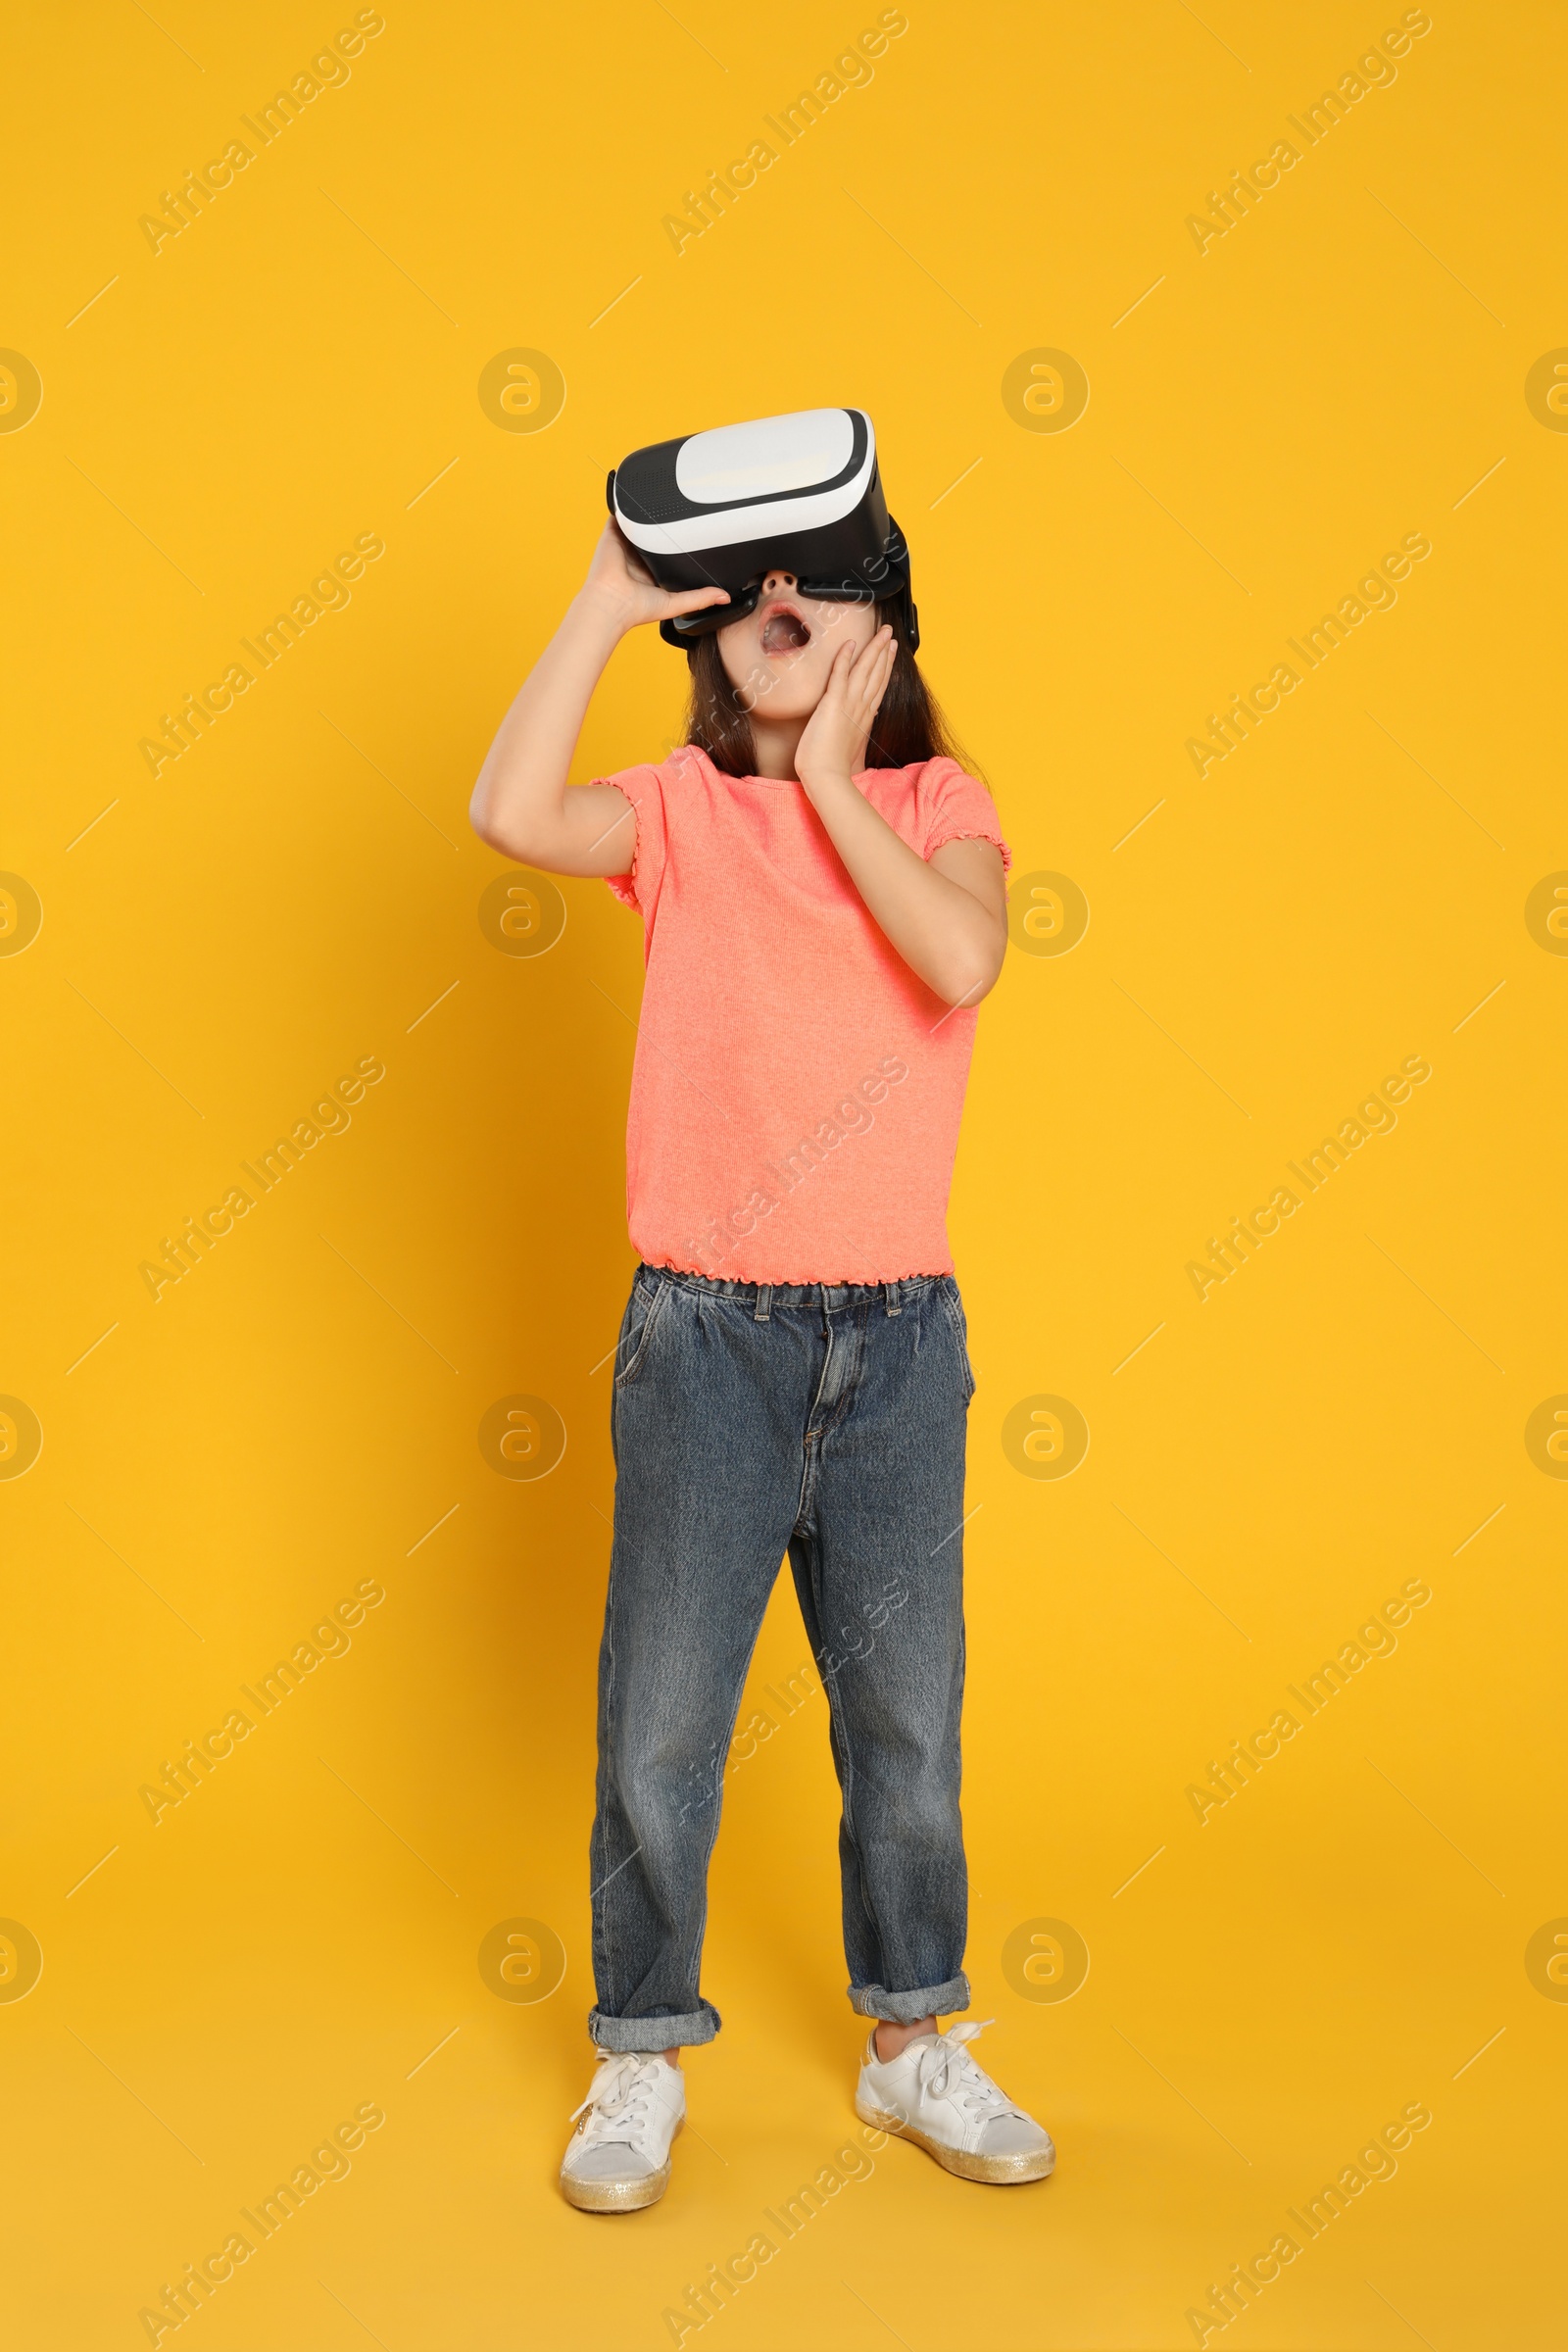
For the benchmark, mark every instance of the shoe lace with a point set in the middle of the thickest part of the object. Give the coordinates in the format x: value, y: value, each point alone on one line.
x: 619, y: 2099
x: 944, y: 2069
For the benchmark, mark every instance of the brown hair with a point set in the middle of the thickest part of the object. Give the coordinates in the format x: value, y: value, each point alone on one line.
x: 909, y: 727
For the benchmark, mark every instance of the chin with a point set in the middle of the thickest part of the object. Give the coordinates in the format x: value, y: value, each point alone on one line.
x: 775, y: 693
x: 796, y: 699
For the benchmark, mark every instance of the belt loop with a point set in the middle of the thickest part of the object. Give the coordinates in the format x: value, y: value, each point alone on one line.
x: 764, y: 1299
x: 891, y: 1289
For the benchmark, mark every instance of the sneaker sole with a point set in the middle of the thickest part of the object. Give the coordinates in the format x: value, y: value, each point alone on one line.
x: 1001, y: 2171
x: 616, y: 2196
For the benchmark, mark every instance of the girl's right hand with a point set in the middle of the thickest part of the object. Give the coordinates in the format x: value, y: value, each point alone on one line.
x: 620, y: 585
x: 524, y: 803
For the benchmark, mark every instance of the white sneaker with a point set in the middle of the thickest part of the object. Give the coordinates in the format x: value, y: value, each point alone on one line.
x: 940, y: 2097
x: 618, y: 2157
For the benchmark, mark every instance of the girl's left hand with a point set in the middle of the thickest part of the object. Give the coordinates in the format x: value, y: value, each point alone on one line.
x: 833, y: 744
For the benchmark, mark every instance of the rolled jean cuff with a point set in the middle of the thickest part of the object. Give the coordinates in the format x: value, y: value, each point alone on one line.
x: 908, y: 2008
x: 640, y: 2036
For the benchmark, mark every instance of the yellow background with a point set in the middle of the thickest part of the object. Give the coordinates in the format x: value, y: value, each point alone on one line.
x: 296, y: 891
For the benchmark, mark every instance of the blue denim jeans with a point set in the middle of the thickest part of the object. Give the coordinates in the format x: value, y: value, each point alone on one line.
x: 748, y: 1420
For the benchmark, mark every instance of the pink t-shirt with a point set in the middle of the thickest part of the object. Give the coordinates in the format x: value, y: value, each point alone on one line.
x: 796, y: 1093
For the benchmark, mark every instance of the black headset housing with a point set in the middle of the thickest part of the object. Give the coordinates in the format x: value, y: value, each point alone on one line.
x: 800, y: 494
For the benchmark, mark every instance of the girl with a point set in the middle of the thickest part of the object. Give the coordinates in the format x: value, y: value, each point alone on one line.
x: 822, y: 888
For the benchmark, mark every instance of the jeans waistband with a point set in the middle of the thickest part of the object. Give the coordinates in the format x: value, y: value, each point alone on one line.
x: 762, y: 1295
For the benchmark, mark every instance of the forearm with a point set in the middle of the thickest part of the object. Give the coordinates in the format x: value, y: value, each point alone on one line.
x: 946, y: 933
x: 522, y: 804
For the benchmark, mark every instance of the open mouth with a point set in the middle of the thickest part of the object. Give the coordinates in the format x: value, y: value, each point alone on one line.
x: 784, y: 632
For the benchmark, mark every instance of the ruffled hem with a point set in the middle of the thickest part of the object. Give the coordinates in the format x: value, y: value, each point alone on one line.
x: 773, y: 1274
x: 625, y: 886
x: 972, y: 833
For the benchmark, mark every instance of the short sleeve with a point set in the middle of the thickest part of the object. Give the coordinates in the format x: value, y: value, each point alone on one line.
x: 638, y: 887
x: 957, y: 808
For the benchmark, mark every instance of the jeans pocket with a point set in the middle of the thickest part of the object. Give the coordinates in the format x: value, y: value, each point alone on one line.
x: 947, y: 1292
x: 638, y: 1337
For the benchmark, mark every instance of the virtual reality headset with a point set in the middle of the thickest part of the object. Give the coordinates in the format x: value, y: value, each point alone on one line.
x: 800, y: 494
